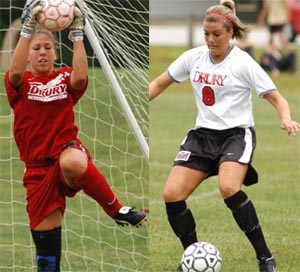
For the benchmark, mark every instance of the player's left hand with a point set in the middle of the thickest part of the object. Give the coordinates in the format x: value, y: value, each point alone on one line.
x: 291, y: 127
x: 79, y: 19
x: 77, y: 25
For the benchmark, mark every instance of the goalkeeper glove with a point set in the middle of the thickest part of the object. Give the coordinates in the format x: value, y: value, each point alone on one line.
x: 31, y: 9
x: 76, y: 27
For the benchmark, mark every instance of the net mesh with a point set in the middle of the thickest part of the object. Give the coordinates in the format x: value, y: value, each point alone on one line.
x: 91, y: 240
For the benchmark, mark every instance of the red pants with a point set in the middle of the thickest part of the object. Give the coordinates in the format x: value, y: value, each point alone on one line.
x: 47, y: 189
x: 46, y: 192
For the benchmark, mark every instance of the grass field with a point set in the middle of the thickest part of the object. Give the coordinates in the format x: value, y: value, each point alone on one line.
x: 91, y: 241
x: 276, y: 196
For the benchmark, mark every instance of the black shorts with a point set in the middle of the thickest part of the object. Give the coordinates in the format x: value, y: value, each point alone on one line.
x: 275, y: 28
x: 205, y: 149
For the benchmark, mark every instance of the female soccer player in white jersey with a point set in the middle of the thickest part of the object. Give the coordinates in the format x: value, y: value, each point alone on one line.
x: 222, y: 77
x: 57, y: 164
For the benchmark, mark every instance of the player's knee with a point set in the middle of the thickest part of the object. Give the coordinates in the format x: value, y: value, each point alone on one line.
x: 167, y: 195
x: 172, y: 194
x: 227, y: 190
x: 73, y: 162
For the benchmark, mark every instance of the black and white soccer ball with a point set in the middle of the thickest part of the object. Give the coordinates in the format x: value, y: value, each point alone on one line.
x: 201, y: 257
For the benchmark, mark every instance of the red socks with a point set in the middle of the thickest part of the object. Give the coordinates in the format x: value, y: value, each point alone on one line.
x: 95, y: 185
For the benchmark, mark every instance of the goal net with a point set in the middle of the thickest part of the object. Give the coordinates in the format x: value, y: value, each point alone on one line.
x: 112, y: 118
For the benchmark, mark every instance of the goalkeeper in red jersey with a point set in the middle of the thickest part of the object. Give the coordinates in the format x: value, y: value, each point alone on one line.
x: 57, y: 164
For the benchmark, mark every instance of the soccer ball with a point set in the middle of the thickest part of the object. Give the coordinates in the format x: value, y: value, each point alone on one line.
x: 201, y: 257
x: 56, y: 14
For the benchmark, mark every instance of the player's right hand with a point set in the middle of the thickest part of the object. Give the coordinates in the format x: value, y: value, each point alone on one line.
x: 291, y: 127
x: 28, y: 18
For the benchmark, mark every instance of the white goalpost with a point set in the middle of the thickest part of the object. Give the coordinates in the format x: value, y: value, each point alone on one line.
x: 117, y: 89
x: 95, y: 43
x: 112, y: 118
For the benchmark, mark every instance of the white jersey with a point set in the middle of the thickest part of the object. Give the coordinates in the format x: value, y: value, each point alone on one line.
x: 223, y: 91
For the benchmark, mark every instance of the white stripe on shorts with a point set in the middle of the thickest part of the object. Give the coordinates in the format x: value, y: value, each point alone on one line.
x: 245, y: 158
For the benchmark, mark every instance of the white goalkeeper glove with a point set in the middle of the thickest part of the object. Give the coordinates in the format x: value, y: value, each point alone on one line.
x: 77, y: 26
x: 31, y: 9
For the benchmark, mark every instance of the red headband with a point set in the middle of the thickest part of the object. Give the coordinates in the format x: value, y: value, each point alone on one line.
x: 221, y: 17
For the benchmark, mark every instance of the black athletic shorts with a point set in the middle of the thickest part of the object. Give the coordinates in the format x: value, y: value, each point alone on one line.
x: 275, y: 28
x: 205, y: 149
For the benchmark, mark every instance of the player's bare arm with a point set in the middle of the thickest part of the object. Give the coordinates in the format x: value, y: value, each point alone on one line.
x: 20, y: 56
x: 19, y: 62
x: 80, y: 66
x: 79, y: 62
x: 262, y: 15
x: 283, y: 109
x: 159, y: 84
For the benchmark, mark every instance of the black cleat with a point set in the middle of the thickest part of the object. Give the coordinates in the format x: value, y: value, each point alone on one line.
x: 267, y: 265
x: 127, y: 215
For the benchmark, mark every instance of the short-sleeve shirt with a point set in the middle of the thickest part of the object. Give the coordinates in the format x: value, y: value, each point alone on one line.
x: 278, y: 12
x: 44, y: 117
x: 223, y: 91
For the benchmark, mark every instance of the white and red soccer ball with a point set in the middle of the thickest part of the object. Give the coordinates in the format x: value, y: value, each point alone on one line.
x: 201, y: 257
x: 56, y: 14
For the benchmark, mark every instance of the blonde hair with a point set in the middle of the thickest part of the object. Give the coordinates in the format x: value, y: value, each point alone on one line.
x: 226, y: 9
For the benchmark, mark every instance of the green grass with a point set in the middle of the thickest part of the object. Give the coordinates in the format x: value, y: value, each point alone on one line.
x: 91, y: 241
x: 276, y: 196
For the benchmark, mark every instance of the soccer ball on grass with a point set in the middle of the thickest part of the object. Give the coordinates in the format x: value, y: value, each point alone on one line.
x: 56, y: 14
x: 201, y: 257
